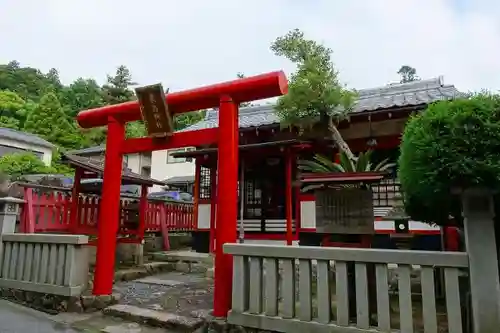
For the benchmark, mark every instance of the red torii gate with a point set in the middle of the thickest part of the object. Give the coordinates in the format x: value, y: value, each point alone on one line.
x: 227, y: 97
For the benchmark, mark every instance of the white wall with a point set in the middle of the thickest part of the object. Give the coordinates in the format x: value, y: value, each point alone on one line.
x: 47, y: 152
x: 162, y: 170
x: 134, y: 163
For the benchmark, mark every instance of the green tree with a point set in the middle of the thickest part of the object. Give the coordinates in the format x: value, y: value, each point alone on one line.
x: 408, y: 74
x: 18, y: 164
x: 53, y: 79
x: 57, y: 166
x: 316, y: 97
x: 187, y: 119
x: 135, y: 129
x: 117, y: 88
x: 451, y: 144
x: 50, y: 122
x: 27, y: 82
x: 93, y: 136
x: 80, y: 95
x: 12, y: 109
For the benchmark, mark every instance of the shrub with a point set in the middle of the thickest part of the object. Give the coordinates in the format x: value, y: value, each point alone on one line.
x: 452, y: 144
x: 17, y: 164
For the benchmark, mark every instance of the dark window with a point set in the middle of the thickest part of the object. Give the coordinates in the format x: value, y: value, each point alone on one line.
x: 387, y: 193
x: 264, y: 191
x: 205, y: 187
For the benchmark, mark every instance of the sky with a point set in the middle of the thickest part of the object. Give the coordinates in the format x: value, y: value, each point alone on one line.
x: 188, y: 43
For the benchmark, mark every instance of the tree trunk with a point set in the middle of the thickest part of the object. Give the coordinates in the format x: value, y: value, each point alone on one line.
x: 339, y: 140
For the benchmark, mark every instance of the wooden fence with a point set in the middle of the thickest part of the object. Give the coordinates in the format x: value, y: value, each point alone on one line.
x: 266, y: 288
x: 54, y: 264
x: 51, y: 212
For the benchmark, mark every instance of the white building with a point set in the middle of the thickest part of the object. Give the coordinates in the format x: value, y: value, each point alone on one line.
x: 174, y: 171
x: 137, y: 163
x: 12, y: 141
x: 157, y: 165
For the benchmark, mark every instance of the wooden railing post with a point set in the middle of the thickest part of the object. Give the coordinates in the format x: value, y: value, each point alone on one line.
x: 74, y: 215
x: 143, y: 205
x: 29, y: 212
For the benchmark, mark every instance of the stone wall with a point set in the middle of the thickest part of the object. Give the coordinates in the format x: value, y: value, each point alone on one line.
x: 152, y: 243
x: 54, y: 303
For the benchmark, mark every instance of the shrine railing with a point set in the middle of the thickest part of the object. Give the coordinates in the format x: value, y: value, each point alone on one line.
x: 51, y: 212
x: 51, y: 264
x: 314, y: 289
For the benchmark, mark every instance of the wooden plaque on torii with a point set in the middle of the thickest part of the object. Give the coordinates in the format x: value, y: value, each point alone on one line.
x: 154, y: 111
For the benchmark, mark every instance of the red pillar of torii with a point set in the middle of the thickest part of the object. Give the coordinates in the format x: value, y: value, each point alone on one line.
x: 227, y: 97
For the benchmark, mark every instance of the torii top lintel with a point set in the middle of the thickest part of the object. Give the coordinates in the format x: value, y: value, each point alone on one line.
x: 242, y: 90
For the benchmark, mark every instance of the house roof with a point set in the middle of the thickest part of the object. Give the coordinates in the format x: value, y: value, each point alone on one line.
x: 179, y: 180
x: 242, y: 147
x: 97, y: 167
x: 90, y: 150
x: 9, y: 133
x: 390, y: 96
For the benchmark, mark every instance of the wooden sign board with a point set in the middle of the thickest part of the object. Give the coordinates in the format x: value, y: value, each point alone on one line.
x: 344, y: 211
x: 154, y: 111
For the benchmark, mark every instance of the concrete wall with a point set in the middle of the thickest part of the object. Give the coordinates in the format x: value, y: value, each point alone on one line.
x: 162, y: 167
x: 46, y: 152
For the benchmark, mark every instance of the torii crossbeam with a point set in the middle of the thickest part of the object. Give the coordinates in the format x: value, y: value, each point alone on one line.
x: 226, y: 96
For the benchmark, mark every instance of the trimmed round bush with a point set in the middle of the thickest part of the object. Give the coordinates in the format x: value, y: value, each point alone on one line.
x: 452, y: 144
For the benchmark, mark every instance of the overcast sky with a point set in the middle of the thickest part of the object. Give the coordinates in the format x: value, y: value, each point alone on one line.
x: 187, y: 43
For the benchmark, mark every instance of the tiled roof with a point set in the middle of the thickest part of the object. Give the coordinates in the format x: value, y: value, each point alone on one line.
x: 29, y: 138
x: 90, y: 150
x: 390, y: 96
x: 97, y: 166
x: 179, y: 180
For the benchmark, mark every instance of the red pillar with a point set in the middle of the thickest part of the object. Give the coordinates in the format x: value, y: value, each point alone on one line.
x: 288, y: 197
x: 297, y: 201
x: 213, y: 206
x: 227, y: 204
x: 196, y: 194
x: 143, y: 207
x: 29, y: 211
x: 74, y: 213
x: 110, y: 210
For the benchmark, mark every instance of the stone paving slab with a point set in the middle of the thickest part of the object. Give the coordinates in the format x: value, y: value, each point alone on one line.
x: 162, y: 282
x: 189, y: 295
x: 98, y: 323
x: 154, y: 318
x: 185, y: 256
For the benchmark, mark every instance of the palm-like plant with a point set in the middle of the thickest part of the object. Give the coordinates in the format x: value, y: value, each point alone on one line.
x: 362, y: 163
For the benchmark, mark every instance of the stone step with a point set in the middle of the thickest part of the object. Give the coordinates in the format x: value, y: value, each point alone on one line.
x: 183, y: 256
x: 186, y: 261
x: 154, y: 318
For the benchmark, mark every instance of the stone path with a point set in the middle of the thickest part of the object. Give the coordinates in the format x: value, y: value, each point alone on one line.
x: 15, y: 318
x: 189, y: 295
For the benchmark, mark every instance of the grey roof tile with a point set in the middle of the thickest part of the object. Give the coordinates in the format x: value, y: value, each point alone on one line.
x: 179, y: 179
x: 90, y: 150
x: 97, y: 166
x: 393, y: 95
x: 24, y: 137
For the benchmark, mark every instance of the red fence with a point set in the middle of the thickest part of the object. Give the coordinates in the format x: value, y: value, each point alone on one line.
x: 50, y: 212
